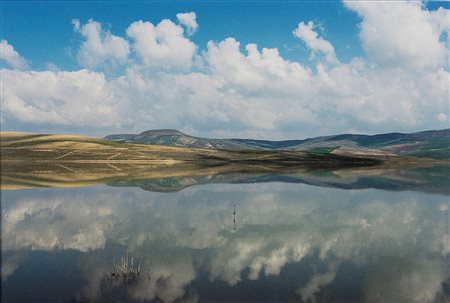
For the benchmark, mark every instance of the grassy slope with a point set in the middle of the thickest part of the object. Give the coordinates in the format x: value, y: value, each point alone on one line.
x: 72, y: 148
x: 63, y: 148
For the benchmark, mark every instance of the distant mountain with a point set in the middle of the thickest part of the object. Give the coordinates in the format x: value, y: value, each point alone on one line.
x: 174, y: 137
x: 431, y: 144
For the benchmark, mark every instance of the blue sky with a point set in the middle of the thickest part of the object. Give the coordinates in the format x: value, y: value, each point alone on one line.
x: 47, y: 36
x: 329, y: 67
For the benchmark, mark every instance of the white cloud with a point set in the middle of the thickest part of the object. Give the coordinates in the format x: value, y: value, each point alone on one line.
x: 257, y: 72
x: 163, y: 45
x: 11, y: 56
x: 234, y: 90
x: 188, y: 20
x: 402, y: 33
x: 61, y: 98
x: 440, y: 20
x: 306, y: 33
x: 100, y: 46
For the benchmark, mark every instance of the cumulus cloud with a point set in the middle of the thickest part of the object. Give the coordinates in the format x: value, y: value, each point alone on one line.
x: 62, y: 98
x: 189, y: 21
x: 100, y: 46
x: 306, y: 32
x: 163, y: 45
x: 257, y: 72
x: 11, y: 56
x: 403, y: 34
x: 233, y: 90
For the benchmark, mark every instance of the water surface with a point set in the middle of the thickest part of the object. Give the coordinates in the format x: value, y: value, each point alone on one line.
x: 252, y: 242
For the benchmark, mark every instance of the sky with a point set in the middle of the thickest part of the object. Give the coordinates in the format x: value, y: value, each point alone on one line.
x: 248, y: 69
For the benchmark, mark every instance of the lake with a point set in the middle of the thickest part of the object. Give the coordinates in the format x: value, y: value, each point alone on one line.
x: 265, y: 239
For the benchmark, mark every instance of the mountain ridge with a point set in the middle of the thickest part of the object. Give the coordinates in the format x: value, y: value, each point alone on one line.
x: 430, y: 143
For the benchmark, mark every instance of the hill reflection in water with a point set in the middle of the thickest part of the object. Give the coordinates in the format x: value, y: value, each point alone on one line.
x: 431, y: 179
x: 421, y: 177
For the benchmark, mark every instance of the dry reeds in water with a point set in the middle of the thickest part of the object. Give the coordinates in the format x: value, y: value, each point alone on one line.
x: 125, y: 271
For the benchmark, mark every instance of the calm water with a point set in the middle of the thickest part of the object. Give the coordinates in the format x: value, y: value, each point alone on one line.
x: 265, y: 242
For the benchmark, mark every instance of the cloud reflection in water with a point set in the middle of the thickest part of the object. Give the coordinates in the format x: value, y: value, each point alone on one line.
x: 398, y: 239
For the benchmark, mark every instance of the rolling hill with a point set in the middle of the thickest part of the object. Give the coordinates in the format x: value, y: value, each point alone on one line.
x: 172, y: 137
x: 431, y: 144
x: 26, y: 148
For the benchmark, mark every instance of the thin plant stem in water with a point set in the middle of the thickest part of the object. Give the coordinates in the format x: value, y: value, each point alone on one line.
x: 125, y: 271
